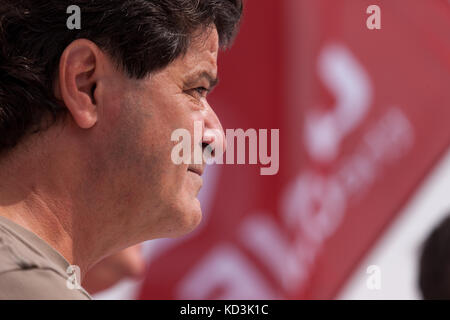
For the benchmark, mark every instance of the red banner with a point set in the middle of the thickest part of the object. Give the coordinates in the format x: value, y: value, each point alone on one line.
x: 363, y: 116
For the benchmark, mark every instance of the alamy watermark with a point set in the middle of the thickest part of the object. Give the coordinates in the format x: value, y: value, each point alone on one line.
x: 235, y: 139
x: 373, y: 281
x: 374, y: 20
x: 73, y: 281
x: 74, y: 20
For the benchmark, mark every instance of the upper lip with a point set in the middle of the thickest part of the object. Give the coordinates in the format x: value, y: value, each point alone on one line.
x: 198, y: 169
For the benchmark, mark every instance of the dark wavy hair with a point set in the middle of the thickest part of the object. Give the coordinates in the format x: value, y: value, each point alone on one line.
x: 141, y: 36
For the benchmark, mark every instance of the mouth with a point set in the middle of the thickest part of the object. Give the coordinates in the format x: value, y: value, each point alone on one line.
x: 196, y: 169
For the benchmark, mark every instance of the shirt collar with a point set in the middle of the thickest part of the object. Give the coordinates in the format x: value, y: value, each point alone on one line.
x: 41, y: 245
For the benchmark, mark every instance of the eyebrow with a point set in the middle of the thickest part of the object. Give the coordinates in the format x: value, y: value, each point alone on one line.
x: 193, y: 78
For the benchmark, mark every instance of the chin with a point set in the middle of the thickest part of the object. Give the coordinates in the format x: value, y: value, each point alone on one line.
x: 187, y: 219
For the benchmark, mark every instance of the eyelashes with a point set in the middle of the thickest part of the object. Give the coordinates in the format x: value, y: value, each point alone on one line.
x: 199, y: 92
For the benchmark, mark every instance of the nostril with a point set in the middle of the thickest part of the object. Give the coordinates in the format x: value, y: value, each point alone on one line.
x: 209, y: 137
x: 211, y: 151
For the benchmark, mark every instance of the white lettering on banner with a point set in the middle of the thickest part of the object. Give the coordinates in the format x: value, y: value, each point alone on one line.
x: 227, y: 269
x: 314, y: 206
x: 264, y: 237
x: 385, y: 142
x: 341, y: 73
x: 310, y: 226
x: 389, y: 139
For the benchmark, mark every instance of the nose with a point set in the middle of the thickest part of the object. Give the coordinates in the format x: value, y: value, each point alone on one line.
x: 213, y: 131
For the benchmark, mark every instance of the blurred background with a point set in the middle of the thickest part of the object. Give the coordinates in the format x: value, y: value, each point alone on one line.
x: 364, y: 177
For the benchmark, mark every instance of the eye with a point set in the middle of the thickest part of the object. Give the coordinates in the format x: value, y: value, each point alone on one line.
x: 199, y: 92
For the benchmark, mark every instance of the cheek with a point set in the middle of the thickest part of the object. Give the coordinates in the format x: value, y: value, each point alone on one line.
x: 177, y: 193
x: 158, y: 174
x: 165, y: 189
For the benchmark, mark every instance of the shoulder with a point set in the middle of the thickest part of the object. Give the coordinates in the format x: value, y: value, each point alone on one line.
x: 15, y: 254
x: 26, y: 274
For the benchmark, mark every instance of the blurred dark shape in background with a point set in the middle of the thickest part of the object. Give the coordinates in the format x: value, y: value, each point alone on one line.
x: 434, y: 265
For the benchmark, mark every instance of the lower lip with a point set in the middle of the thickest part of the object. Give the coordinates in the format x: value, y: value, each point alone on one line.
x: 198, y: 179
x: 195, y: 173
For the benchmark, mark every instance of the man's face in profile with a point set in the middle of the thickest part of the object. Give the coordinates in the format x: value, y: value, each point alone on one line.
x: 155, y: 196
x: 88, y: 117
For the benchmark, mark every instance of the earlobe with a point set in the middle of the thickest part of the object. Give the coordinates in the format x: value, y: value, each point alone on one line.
x: 77, y: 81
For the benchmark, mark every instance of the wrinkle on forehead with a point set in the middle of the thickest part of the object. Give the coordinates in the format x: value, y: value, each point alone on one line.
x: 204, y: 45
x: 206, y: 38
x: 202, y: 53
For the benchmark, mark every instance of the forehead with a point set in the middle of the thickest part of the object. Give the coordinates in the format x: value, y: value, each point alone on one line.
x: 202, y: 52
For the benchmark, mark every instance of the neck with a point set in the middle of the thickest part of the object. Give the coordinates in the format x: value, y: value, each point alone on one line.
x: 37, y: 192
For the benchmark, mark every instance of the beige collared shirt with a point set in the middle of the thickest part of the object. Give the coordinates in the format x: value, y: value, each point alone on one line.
x: 31, y: 269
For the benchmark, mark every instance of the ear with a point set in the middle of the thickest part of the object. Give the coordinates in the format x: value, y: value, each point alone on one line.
x: 79, y: 72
